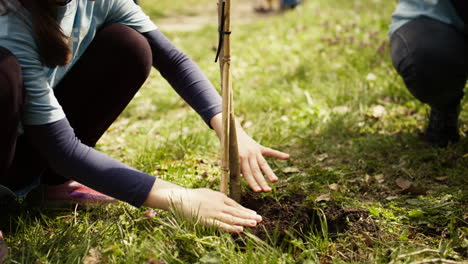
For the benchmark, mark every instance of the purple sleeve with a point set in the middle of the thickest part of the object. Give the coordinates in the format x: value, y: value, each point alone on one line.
x: 184, y: 76
x: 68, y: 157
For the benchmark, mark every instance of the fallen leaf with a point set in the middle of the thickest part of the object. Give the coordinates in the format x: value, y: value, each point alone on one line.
x: 154, y: 261
x: 323, y: 198
x: 368, y: 179
x: 341, y: 109
x: 93, y: 257
x: 391, y: 198
x: 374, y: 179
x: 371, y: 77
x: 379, y: 178
x: 334, y: 187
x: 441, y: 179
x: 403, y: 183
x: 321, y: 157
x: 290, y: 170
x: 378, y: 111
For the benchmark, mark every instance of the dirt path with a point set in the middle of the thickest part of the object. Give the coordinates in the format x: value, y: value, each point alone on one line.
x: 241, y: 12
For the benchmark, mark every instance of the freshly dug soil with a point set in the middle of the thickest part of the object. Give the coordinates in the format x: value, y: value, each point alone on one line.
x: 289, y: 214
x: 286, y: 214
x: 341, y: 219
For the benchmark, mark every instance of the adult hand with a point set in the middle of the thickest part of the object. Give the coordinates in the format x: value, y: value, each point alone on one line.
x: 253, y: 163
x: 209, y: 207
x: 252, y: 157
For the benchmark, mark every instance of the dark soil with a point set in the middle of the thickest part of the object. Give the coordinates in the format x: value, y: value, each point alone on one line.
x: 293, y: 215
x: 289, y: 213
x: 341, y: 219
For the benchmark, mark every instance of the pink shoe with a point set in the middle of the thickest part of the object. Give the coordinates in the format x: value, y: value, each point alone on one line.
x: 3, y: 249
x: 72, y: 192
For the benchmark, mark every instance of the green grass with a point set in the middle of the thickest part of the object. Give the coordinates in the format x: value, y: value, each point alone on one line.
x: 163, y: 9
x: 316, y: 82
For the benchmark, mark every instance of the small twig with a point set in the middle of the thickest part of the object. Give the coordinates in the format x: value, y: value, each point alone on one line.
x: 75, y: 214
x: 437, y: 260
x: 408, y: 173
x: 342, y: 255
x: 426, y: 250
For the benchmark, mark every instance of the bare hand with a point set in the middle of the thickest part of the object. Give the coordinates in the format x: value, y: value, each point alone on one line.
x: 209, y: 207
x: 215, y: 209
x: 253, y: 164
x: 252, y: 157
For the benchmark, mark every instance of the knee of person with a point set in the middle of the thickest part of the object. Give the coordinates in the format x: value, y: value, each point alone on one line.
x: 433, y: 57
x: 11, y: 81
x: 430, y: 62
x: 436, y: 77
x: 130, y: 48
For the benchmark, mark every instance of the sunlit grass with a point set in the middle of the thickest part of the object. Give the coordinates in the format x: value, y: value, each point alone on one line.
x: 317, y: 82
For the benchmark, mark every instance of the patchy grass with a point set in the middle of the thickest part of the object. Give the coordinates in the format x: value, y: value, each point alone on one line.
x: 163, y: 9
x: 317, y: 82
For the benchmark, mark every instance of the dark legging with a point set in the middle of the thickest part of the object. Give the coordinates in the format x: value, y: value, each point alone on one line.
x: 432, y: 59
x: 93, y: 93
x: 11, y: 103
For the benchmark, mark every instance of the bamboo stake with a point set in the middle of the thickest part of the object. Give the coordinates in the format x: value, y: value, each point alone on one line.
x: 230, y: 177
x: 234, y: 167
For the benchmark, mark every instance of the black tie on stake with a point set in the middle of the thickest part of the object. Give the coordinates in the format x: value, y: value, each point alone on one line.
x: 221, y: 31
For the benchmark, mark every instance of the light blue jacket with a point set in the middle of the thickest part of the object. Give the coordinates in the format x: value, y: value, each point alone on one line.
x: 441, y: 10
x: 79, y: 19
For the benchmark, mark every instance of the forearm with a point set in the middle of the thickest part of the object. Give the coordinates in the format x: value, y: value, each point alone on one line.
x: 66, y: 155
x: 163, y: 194
x: 217, y: 124
x: 184, y: 75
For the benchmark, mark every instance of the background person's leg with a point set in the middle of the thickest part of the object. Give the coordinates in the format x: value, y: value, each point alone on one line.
x: 431, y: 57
x: 11, y: 103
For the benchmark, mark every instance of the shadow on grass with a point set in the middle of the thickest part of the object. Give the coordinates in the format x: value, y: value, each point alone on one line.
x: 394, y: 154
x: 394, y: 176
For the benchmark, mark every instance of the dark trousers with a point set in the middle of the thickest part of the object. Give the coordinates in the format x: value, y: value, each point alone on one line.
x: 432, y: 59
x: 92, y: 94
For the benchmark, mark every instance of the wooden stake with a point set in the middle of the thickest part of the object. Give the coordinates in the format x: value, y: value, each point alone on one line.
x: 234, y: 168
x: 230, y: 178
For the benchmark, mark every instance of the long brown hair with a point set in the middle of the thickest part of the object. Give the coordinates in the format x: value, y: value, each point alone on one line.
x: 52, y: 43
